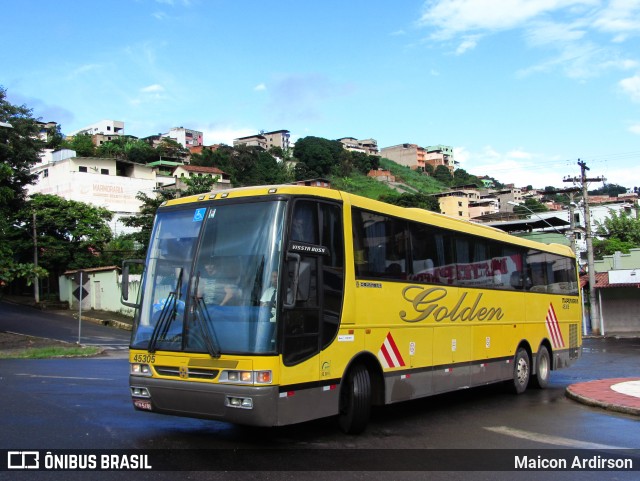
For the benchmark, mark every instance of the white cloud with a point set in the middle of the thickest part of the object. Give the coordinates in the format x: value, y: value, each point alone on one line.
x: 621, y: 17
x: 83, y: 69
x: 452, y: 17
x: 631, y: 86
x: 571, y: 28
x: 635, y: 129
x: 468, y: 43
x: 160, y: 15
x: 260, y: 87
x: 516, y: 166
x: 155, y: 88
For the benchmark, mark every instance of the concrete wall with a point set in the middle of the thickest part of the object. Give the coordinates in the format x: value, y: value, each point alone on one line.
x: 103, y: 291
x: 620, y: 310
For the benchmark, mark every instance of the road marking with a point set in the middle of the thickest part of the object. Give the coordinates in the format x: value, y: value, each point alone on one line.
x: 65, y: 377
x: 546, y: 439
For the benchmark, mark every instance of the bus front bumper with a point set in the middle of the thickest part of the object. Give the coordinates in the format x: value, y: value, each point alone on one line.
x: 249, y: 405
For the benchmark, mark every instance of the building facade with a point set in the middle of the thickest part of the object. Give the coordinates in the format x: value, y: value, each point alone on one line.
x: 103, y: 127
x: 266, y: 140
x: 409, y: 155
x: 366, y: 146
x: 109, y: 183
x: 186, y: 137
x: 181, y: 172
x: 437, y: 155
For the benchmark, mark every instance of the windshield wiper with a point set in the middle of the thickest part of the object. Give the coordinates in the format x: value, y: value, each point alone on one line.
x: 167, y: 315
x: 203, y: 320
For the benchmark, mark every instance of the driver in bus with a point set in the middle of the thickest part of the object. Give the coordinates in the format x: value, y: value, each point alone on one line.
x: 217, y: 289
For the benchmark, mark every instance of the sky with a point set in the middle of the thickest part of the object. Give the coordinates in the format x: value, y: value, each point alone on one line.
x: 521, y: 89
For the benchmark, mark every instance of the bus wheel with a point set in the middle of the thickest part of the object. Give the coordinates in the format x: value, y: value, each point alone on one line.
x: 355, y: 400
x: 543, y: 368
x: 521, y: 371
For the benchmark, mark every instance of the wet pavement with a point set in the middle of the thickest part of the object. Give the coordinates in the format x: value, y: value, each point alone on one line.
x: 615, y: 394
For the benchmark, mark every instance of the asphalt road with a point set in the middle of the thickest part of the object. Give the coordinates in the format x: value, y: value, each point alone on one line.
x: 60, y: 326
x: 79, y: 404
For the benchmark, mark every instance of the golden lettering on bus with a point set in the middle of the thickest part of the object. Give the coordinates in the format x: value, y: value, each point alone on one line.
x: 426, y: 305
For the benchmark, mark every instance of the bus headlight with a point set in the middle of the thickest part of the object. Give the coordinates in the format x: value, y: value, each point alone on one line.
x: 137, y: 369
x: 246, y: 377
x: 239, y: 402
x: 140, y: 392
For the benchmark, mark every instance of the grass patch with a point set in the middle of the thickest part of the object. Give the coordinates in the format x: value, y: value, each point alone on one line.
x: 51, y: 352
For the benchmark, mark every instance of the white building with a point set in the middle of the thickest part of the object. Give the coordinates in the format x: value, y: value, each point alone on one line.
x: 103, y: 127
x: 109, y: 183
x: 266, y: 140
x: 185, y: 137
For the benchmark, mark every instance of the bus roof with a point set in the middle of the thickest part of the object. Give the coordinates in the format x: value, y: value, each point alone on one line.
x: 415, y: 214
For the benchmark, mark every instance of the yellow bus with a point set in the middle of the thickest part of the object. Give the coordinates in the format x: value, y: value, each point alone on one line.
x: 275, y: 305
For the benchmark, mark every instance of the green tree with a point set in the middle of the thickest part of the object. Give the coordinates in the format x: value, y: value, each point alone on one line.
x: 220, y: 158
x: 70, y: 234
x: 319, y: 155
x: 530, y: 205
x: 612, y: 190
x: 443, y: 175
x: 55, y: 138
x: 118, y: 249
x: 140, y: 152
x: 198, y: 184
x: 20, y: 147
x: 617, y: 232
x: 82, y: 144
x: 421, y: 201
x: 608, y: 247
x: 143, y: 221
x: 429, y: 170
x: 462, y: 177
x: 170, y: 149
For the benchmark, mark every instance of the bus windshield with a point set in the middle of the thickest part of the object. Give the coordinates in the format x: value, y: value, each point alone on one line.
x: 211, y: 278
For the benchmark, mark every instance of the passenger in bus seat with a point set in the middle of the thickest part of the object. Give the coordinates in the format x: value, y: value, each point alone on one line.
x: 216, y: 288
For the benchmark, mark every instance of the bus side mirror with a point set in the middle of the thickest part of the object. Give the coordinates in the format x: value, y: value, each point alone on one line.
x: 125, y: 282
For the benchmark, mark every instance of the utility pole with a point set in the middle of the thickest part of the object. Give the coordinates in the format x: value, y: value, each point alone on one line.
x: 583, y: 181
x: 36, y: 283
x: 572, y: 223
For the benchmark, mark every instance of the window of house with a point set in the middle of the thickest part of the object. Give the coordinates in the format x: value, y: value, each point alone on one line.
x: 82, y: 168
x: 104, y: 171
x: 45, y: 173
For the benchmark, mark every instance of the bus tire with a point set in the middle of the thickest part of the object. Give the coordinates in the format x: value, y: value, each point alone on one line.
x: 543, y: 368
x: 355, y: 400
x: 521, y: 371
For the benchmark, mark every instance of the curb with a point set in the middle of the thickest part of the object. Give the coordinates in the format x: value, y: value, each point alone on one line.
x: 109, y: 322
x: 592, y: 400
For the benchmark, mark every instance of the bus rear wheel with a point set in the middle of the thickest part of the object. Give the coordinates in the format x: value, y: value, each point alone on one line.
x: 355, y: 400
x: 543, y: 368
x: 521, y: 371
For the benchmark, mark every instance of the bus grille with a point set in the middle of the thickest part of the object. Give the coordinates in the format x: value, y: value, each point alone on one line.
x: 188, y: 373
x: 573, y: 341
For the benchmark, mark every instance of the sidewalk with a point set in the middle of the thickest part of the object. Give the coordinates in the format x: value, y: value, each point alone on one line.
x: 106, y: 318
x: 619, y: 395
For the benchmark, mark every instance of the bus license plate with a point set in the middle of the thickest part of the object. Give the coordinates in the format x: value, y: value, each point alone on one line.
x: 141, y: 404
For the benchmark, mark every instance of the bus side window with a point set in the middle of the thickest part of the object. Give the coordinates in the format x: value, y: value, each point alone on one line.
x: 380, y: 245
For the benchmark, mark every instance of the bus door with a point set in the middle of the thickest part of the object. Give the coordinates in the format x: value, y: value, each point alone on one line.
x: 314, y: 291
